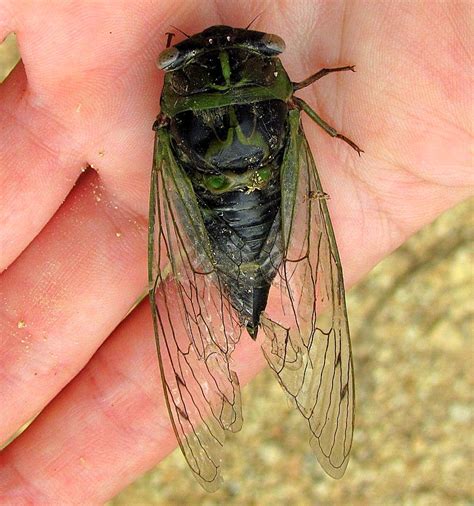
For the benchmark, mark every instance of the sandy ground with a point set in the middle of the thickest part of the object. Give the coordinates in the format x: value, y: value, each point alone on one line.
x: 411, y: 321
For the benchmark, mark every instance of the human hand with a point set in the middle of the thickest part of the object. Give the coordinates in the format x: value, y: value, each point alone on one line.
x: 87, y: 94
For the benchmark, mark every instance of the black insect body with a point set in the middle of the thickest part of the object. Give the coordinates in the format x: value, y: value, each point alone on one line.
x: 238, y: 213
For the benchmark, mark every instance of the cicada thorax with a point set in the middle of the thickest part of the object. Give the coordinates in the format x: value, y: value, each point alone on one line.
x: 233, y: 138
x: 232, y: 155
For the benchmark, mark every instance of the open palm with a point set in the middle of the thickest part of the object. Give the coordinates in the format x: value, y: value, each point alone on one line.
x: 73, y: 242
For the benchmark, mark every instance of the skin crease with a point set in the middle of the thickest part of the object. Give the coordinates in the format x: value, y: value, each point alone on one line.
x: 73, y: 245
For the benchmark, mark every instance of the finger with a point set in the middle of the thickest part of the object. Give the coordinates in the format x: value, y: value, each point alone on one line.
x: 108, y: 426
x: 64, y: 296
x: 55, y: 120
x: 59, y: 119
x: 35, y: 172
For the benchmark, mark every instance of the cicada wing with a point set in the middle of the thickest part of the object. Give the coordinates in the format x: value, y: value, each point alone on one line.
x: 195, y: 328
x: 309, y: 348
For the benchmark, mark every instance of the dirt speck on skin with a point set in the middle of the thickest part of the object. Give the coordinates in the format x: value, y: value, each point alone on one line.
x: 411, y: 322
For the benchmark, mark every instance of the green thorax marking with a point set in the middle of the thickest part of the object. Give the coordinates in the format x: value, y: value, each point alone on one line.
x: 226, y: 74
x: 225, y: 66
x: 227, y: 94
x: 235, y: 131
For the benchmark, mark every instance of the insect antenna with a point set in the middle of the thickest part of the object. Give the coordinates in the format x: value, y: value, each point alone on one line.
x: 253, y: 20
x: 169, y: 39
x: 180, y: 31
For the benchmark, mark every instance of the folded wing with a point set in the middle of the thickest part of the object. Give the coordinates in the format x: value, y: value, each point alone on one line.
x: 307, y: 342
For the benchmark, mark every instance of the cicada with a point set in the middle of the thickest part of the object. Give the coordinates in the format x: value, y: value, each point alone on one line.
x: 240, y: 242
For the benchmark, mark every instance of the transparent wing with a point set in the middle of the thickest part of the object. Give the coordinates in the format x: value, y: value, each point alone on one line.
x: 309, y: 348
x: 195, y: 327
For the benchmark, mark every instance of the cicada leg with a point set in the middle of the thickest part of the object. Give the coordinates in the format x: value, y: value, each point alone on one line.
x: 303, y: 106
x: 321, y: 73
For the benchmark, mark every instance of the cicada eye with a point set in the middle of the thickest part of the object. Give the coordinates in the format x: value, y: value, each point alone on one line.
x: 273, y: 44
x: 168, y: 58
x: 172, y: 58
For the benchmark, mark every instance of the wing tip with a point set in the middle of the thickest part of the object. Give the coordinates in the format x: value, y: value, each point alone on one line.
x: 331, y: 469
x: 209, y: 485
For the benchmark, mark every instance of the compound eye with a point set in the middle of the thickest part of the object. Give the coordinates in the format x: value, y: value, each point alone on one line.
x: 273, y: 43
x: 168, y: 58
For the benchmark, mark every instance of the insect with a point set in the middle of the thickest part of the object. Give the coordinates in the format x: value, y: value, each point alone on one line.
x: 241, y: 243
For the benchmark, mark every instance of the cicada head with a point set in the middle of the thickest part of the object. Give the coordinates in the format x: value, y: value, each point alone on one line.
x: 219, y: 38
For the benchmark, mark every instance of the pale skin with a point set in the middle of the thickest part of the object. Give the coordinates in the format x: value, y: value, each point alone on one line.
x: 73, y: 256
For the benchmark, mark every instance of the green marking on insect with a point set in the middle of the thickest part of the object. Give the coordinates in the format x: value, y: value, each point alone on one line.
x: 238, y: 217
x: 225, y: 65
x: 216, y: 182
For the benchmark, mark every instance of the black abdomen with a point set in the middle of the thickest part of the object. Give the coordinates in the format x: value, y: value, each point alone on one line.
x: 244, y: 228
